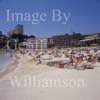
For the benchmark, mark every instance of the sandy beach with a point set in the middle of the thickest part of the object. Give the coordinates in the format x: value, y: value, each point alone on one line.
x: 26, y: 67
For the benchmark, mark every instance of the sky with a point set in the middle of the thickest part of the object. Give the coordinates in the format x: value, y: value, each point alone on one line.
x: 84, y: 16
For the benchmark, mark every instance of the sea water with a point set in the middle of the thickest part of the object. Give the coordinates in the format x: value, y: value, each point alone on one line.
x: 5, y: 59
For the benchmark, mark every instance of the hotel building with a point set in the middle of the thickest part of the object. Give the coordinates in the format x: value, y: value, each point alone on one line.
x: 19, y: 29
x: 59, y: 41
x: 92, y: 39
x: 37, y: 43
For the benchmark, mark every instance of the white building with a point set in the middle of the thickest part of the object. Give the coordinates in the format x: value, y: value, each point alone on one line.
x: 37, y: 43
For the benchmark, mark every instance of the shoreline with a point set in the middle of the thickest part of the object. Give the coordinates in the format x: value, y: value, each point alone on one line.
x: 10, y: 66
x: 28, y: 65
x: 44, y: 74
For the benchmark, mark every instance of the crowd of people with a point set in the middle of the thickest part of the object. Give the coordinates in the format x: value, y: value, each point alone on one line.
x: 78, y: 58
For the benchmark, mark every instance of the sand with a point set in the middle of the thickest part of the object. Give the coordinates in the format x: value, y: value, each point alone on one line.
x: 90, y: 90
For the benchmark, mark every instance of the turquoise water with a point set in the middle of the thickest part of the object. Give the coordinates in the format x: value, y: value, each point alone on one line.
x: 4, y: 60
